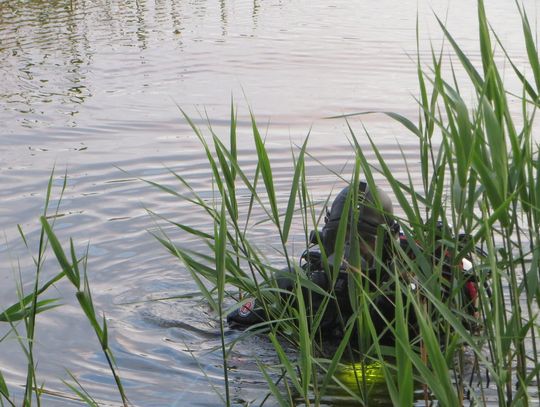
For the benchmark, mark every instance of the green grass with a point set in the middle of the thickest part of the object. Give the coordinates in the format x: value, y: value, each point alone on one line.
x: 482, y: 179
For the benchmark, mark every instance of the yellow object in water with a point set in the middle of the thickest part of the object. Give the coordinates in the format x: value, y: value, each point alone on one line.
x: 355, y: 373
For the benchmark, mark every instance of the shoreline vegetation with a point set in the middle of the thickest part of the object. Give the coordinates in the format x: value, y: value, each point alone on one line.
x: 480, y: 169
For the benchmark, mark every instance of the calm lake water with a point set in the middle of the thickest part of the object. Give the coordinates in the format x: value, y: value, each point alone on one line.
x: 89, y: 87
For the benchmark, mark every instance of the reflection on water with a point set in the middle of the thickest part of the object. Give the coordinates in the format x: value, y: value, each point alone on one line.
x: 46, y: 52
x: 94, y: 85
x: 332, y: 58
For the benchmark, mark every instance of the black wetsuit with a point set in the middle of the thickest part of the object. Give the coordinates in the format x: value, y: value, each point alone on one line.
x: 338, y: 310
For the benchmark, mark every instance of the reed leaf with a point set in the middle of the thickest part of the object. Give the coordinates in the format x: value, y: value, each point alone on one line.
x: 266, y: 170
x: 273, y: 388
x: 304, y: 342
x: 403, y: 362
x: 287, y: 365
x: 80, y: 391
x: 475, y: 77
x: 532, y: 51
x: 19, y: 311
x: 4, y: 391
x: 298, y: 173
x: 336, y: 358
x: 438, y: 378
x: 59, y: 253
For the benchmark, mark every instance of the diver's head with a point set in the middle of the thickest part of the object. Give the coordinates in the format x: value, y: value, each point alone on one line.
x: 375, y: 211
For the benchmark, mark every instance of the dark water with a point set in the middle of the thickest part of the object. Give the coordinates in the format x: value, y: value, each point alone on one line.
x: 90, y: 86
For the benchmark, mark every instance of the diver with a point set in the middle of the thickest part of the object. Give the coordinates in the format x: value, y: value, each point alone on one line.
x: 378, y: 235
x: 374, y: 213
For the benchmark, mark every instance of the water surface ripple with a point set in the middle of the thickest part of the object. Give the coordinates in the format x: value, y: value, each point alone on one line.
x: 94, y: 88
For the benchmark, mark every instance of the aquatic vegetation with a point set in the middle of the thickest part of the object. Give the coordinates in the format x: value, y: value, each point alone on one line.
x: 25, y: 311
x: 480, y: 169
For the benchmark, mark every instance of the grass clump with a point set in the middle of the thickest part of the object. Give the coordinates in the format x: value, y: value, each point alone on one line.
x: 480, y: 188
x: 27, y: 308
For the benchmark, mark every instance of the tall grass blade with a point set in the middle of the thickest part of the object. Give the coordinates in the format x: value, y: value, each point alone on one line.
x: 220, y: 250
x: 475, y: 77
x: 403, y: 362
x: 287, y: 365
x: 532, y: 51
x: 3, y: 387
x: 273, y: 388
x: 266, y: 171
x: 60, y: 255
x: 396, y: 116
x: 18, y: 312
x: 304, y: 342
x: 81, y: 391
x: 298, y: 173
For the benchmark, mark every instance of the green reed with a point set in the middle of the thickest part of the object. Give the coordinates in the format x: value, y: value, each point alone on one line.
x: 29, y: 306
x: 480, y: 170
x: 26, y: 310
